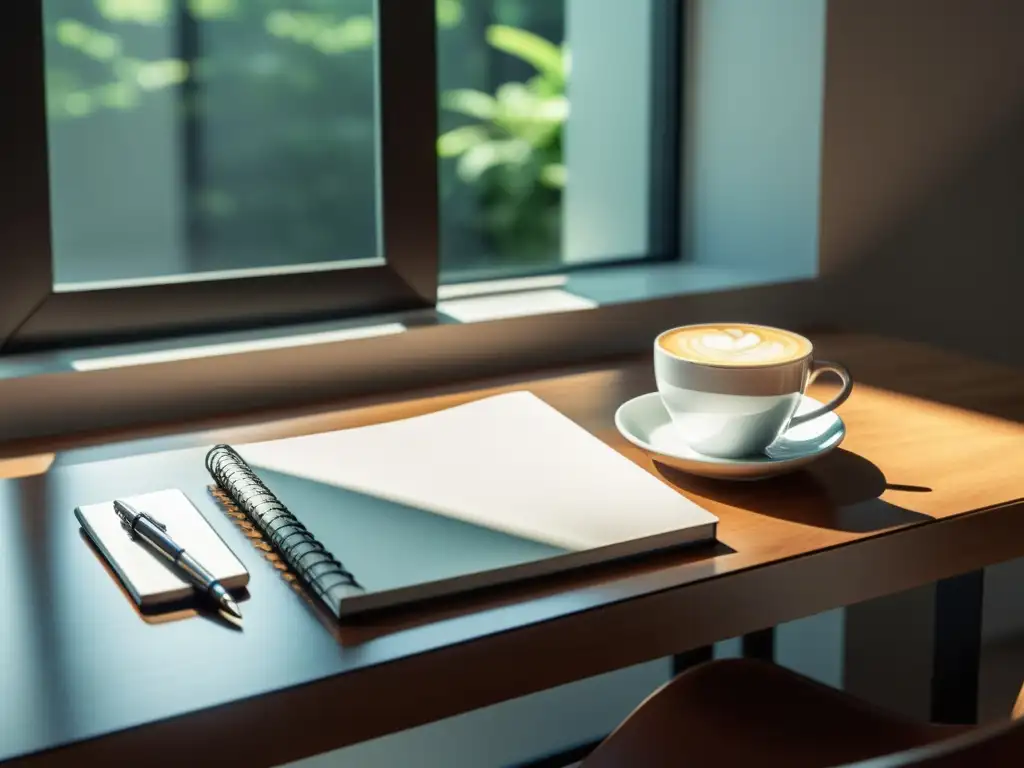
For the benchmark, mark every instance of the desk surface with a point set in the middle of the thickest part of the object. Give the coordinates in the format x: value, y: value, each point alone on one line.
x: 927, y: 485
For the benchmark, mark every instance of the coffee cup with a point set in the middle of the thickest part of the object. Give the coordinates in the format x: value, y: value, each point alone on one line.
x: 732, y: 389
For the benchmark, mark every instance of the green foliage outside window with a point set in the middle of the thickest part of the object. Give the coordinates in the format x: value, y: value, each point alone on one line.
x: 512, y: 150
x: 307, y: 70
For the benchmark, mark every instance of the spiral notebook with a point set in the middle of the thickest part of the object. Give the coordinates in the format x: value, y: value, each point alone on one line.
x: 497, y: 490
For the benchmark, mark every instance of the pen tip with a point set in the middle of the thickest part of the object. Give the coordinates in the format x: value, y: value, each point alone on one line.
x: 230, y: 607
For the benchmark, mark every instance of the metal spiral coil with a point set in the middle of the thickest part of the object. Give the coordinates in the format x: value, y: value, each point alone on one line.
x: 304, y: 554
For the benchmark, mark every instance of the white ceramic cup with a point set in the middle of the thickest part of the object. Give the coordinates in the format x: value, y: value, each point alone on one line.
x: 736, y: 411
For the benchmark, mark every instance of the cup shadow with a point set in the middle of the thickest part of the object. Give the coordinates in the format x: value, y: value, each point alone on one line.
x: 840, y: 492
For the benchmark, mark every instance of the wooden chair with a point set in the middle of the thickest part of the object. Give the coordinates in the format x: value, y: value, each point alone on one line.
x: 754, y: 714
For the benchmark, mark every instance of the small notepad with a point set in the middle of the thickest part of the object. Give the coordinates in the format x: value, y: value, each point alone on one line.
x: 150, y: 578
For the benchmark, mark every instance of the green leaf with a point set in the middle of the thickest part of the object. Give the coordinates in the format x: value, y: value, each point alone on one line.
x: 543, y: 55
x: 525, y: 115
x: 213, y: 9
x: 149, y: 12
x: 467, y: 101
x: 356, y: 33
x: 459, y: 140
x: 92, y: 42
x: 154, y: 75
x: 479, y: 159
x: 78, y: 104
x: 553, y: 175
x: 449, y: 13
x: 118, y: 95
x: 516, y: 100
x: 322, y: 32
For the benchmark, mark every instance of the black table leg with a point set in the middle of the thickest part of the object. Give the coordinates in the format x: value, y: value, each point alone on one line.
x: 683, y: 661
x: 955, y: 667
x: 760, y: 645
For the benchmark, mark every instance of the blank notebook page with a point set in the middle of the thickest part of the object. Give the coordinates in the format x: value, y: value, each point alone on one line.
x: 149, y: 577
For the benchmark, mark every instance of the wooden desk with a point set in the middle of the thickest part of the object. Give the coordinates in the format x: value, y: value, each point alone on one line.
x: 920, y: 491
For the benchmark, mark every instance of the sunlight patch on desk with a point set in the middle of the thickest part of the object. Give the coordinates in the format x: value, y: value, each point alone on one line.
x: 483, y: 308
x: 26, y: 466
x: 234, y: 348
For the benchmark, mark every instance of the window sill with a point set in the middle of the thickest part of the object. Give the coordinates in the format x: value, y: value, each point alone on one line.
x: 478, y: 330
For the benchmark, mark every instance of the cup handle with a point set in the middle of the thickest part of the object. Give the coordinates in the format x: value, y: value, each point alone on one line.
x: 819, y: 367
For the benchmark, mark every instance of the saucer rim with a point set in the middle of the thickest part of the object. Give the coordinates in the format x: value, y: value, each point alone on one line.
x: 750, y: 462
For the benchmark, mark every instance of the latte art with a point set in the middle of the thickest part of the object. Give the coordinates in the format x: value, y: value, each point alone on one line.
x: 735, y: 345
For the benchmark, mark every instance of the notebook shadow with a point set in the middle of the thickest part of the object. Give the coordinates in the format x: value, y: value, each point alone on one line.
x: 840, y: 492
x: 380, y: 535
x: 395, y: 546
x: 371, y: 625
x: 167, y: 612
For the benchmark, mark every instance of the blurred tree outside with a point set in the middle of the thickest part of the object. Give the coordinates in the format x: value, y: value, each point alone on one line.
x: 511, y: 151
x: 276, y: 118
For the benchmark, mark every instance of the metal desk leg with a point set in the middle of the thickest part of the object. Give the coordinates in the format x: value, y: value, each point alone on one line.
x: 760, y: 645
x: 958, y: 608
x: 683, y: 661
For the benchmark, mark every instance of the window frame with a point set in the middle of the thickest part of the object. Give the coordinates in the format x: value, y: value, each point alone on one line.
x: 33, y: 315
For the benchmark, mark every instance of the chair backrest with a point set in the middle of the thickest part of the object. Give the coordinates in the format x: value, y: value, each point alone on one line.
x: 764, y: 697
x: 993, y: 745
x: 998, y: 744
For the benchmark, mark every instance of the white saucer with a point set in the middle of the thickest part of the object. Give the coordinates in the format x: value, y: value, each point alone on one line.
x: 645, y: 423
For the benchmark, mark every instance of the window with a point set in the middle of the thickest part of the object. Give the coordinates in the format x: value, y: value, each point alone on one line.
x: 558, y: 126
x: 503, y: 82
x: 192, y: 165
x: 212, y: 135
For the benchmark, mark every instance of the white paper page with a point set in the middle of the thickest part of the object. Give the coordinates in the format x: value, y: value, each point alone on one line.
x: 509, y: 462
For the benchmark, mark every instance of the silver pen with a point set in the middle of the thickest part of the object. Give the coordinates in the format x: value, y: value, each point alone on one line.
x: 146, y: 527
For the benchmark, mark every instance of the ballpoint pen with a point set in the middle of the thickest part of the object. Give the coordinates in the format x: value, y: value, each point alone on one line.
x: 146, y: 527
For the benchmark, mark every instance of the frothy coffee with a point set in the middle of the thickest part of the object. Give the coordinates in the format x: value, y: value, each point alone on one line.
x: 735, y: 344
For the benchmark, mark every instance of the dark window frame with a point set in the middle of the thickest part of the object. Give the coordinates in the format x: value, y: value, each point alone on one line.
x: 33, y: 315
x: 667, y: 53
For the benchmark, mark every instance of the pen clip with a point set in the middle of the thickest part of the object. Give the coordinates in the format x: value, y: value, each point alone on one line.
x: 154, y: 521
x: 130, y: 526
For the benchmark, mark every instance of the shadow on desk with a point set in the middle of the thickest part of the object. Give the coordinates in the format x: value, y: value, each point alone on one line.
x: 392, y: 545
x: 371, y: 626
x: 840, y: 492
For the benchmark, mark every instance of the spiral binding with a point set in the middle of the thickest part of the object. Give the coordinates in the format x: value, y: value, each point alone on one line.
x: 307, y: 557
